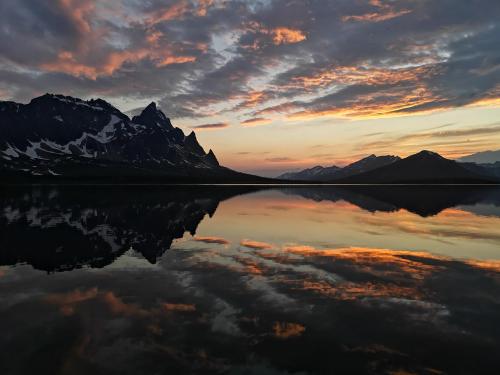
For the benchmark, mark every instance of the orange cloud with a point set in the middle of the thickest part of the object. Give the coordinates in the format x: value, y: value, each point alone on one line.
x: 386, y: 12
x: 214, y: 126
x: 285, y: 35
x: 176, y: 60
x: 68, y: 63
x: 256, y: 121
x: 179, y: 10
x: 153, y: 37
x: 394, y: 102
x: 175, y: 11
x: 256, y: 244
x: 212, y: 239
x: 203, y: 6
x: 78, y: 11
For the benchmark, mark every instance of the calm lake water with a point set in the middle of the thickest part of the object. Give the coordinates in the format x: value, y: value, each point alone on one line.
x: 245, y: 280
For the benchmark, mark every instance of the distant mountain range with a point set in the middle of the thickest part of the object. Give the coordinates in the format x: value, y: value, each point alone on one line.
x: 423, y: 167
x: 485, y: 157
x: 320, y: 173
x: 56, y: 136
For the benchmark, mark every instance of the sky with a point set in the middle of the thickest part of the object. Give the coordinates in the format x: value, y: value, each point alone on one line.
x: 273, y: 85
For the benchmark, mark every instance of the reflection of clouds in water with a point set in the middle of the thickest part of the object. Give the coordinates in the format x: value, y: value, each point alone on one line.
x: 225, y: 319
x: 205, y: 306
x: 449, y: 224
x: 285, y: 330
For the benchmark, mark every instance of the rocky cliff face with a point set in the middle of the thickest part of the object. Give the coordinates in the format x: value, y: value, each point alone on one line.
x: 61, y: 135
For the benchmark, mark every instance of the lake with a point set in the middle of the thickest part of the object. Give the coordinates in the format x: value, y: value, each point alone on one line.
x: 250, y: 280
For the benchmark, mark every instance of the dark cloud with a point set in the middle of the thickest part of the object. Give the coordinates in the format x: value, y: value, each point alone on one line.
x: 218, y: 125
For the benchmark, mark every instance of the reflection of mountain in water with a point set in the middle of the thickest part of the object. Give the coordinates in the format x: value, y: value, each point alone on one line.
x: 422, y: 200
x: 57, y: 229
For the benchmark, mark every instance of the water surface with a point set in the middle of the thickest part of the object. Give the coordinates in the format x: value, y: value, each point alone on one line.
x: 245, y: 280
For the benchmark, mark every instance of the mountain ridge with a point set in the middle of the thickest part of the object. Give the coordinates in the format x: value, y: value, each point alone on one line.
x: 483, y: 157
x: 325, y: 174
x: 426, y: 167
x: 57, y: 136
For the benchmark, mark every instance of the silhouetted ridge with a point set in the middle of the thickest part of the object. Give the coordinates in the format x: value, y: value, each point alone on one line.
x: 422, y: 167
x: 320, y: 173
x: 59, y: 137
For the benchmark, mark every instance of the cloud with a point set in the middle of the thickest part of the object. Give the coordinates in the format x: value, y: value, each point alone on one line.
x: 215, y: 126
x: 352, y: 59
x: 458, y: 138
x: 212, y: 240
x: 256, y: 244
x: 256, y: 121
x: 284, y: 35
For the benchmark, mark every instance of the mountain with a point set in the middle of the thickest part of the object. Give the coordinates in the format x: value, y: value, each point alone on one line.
x: 56, y: 135
x: 485, y: 157
x: 365, y: 165
x: 332, y: 173
x: 317, y: 173
x: 423, y: 167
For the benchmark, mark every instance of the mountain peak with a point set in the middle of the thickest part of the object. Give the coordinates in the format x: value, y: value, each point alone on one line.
x: 152, y: 116
x: 61, y: 135
x: 426, y: 154
x: 212, y: 158
x: 150, y: 107
x: 192, y: 144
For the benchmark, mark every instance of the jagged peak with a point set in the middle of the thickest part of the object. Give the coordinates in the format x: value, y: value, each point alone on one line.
x: 151, y: 115
x: 212, y: 158
x: 150, y: 106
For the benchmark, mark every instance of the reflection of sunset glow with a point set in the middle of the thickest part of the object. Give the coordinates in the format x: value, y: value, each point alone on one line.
x: 285, y: 330
x: 368, y: 259
x: 179, y: 307
x: 66, y: 301
x: 118, y: 307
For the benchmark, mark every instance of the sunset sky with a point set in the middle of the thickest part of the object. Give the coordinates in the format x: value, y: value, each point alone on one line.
x: 273, y: 85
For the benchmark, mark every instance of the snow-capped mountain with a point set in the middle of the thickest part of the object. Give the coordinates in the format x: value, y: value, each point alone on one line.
x: 61, y: 135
